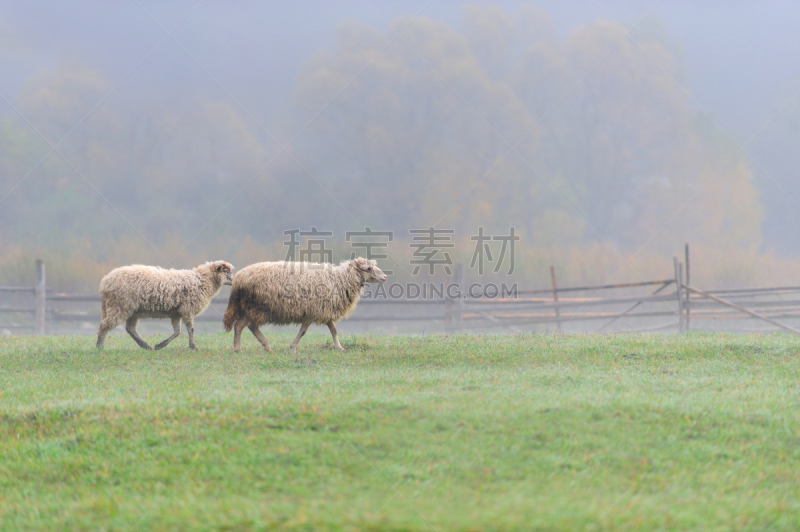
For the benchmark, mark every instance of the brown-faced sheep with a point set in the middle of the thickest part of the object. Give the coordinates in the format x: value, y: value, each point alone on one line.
x: 296, y: 292
x: 131, y: 293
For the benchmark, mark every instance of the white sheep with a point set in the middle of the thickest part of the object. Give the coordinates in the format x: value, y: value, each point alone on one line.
x: 131, y: 293
x: 296, y: 292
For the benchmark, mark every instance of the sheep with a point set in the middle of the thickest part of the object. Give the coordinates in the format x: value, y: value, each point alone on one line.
x: 296, y: 292
x: 133, y: 292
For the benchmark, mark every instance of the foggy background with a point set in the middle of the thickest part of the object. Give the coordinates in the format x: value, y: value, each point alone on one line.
x: 606, y: 133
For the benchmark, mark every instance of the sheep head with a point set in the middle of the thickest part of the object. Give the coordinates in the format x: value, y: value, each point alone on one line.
x: 369, y: 270
x: 223, y: 269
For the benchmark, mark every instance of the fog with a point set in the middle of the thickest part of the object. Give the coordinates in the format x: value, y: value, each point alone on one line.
x: 606, y: 133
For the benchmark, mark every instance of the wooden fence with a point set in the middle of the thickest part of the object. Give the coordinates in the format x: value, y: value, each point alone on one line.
x: 667, y: 304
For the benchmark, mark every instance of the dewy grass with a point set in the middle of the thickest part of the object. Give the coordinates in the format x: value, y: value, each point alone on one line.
x: 460, y: 432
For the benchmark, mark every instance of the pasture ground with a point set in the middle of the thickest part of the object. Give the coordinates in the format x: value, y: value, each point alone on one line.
x: 460, y: 432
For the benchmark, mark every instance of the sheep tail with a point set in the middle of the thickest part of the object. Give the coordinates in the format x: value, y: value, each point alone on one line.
x: 232, y: 313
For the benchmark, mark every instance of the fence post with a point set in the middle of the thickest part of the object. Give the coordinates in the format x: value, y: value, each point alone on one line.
x: 453, y: 306
x: 555, y: 297
x: 40, y: 298
x: 458, y: 304
x: 678, y: 290
x: 688, y: 298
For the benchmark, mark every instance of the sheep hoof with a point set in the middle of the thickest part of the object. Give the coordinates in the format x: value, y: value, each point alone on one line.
x: 338, y: 348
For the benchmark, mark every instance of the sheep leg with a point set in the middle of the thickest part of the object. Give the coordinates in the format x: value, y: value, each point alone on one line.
x: 189, y: 322
x: 238, y: 327
x: 336, y: 344
x: 130, y: 326
x: 260, y: 336
x: 303, y: 329
x: 176, y: 331
x: 105, y: 326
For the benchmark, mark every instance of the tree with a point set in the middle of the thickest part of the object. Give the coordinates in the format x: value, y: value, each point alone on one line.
x: 165, y: 168
x: 425, y: 119
x: 776, y: 162
x: 618, y: 129
x: 421, y: 126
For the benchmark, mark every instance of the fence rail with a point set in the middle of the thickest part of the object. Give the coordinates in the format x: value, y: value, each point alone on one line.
x: 563, y: 307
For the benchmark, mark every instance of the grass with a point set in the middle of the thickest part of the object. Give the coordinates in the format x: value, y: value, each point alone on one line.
x: 504, y: 432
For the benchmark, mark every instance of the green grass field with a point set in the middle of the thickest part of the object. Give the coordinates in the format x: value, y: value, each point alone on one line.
x: 507, y: 432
